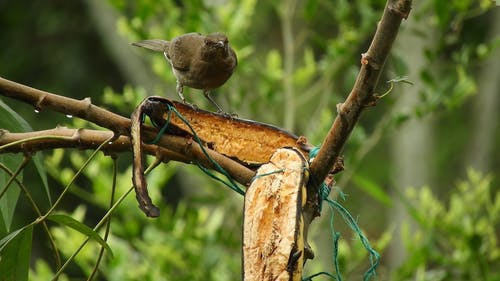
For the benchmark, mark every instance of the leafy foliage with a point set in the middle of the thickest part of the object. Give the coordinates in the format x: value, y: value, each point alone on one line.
x: 457, y: 240
x: 190, y: 243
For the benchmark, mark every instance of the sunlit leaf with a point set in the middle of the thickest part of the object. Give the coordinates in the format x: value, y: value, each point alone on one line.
x: 80, y: 227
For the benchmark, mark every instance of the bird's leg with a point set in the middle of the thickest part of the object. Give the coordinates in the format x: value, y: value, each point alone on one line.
x: 207, y: 95
x: 180, y: 89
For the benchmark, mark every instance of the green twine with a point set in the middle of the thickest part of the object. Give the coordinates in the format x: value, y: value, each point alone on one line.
x: 162, y: 129
x: 324, y: 191
x: 229, y: 182
x: 313, y: 152
x: 351, y: 222
x: 210, y: 174
x: 268, y: 174
x: 336, y: 238
x: 342, y: 194
x: 310, y: 278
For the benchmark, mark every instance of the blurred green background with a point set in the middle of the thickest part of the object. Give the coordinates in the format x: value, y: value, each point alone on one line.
x: 422, y: 166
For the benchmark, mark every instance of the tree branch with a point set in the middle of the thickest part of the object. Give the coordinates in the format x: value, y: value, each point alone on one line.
x: 361, y: 95
x: 120, y: 125
x: 62, y: 137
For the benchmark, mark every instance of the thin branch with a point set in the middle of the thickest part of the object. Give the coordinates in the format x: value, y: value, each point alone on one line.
x: 103, y: 220
x: 73, y: 179
x: 108, y: 223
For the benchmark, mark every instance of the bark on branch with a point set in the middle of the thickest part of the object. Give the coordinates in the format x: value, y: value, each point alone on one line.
x: 62, y: 137
x: 360, y: 97
x: 362, y: 93
x: 120, y: 126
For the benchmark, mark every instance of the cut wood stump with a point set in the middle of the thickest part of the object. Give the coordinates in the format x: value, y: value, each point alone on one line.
x: 273, y: 243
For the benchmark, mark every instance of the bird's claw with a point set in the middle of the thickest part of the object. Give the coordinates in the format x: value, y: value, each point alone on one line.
x: 227, y: 114
x: 192, y: 105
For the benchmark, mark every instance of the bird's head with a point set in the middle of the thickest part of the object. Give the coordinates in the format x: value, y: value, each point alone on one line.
x: 217, y: 42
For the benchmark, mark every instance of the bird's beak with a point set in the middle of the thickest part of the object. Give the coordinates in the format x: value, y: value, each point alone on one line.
x: 223, y: 45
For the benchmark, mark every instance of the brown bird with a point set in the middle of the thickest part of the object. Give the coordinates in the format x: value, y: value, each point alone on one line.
x: 198, y: 61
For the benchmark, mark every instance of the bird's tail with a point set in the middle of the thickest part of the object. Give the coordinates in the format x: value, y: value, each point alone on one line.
x: 157, y: 45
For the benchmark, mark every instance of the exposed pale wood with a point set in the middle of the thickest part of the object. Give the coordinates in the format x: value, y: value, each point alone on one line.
x: 273, y: 245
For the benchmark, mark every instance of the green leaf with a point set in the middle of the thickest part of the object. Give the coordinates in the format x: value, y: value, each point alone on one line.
x: 13, y: 122
x: 9, y: 199
x: 40, y: 168
x: 15, y: 254
x: 11, y: 236
x: 80, y: 227
x: 372, y: 188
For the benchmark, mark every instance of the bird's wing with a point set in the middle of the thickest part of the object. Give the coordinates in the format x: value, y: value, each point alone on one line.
x: 184, y: 50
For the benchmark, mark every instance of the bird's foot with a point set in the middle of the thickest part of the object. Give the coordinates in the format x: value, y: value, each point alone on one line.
x: 192, y: 105
x: 227, y: 114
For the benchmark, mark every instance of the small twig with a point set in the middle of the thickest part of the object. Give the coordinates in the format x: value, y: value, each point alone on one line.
x: 104, y: 219
x: 98, y: 225
x: 108, y: 223
x: 12, y: 178
x: 73, y: 179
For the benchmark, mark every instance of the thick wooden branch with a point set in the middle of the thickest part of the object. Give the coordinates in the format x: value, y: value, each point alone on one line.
x: 362, y: 94
x: 360, y: 97
x: 62, y: 137
x: 84, y: 109
x: 120, y: 125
